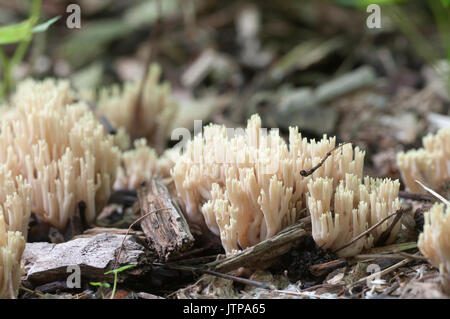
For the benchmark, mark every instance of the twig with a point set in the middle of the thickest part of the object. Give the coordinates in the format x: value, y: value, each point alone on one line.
x: 413, y: 256
x: 434, y: 193
x: 399, y: 255
x: 221, y: 275
x: 323, y: 269
x: 385, y: 271
x: 301, y: 294
x: 306, y: 173
x: 109, y: 128
x: 394, y: 248
x: 367, y: 231
x: 22, y: 287
x: 415, y: 196
x: 377, y: 256
x: 385, y: 235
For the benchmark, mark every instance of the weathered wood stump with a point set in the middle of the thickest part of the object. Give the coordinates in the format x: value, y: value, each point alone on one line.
x: 164, y: 225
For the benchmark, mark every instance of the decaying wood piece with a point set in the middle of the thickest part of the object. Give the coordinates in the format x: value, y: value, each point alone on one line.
x: 47, y: 262
x: 266, y: 252
x: 165, y: 227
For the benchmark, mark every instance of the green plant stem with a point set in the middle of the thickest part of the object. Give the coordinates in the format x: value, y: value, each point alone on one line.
x: 4, y: 63
x: 114, y: 285
x: 19, y: 53
x: 442, y: 17
x: 414, y: 36
x: 35, y: 11
x: 101, y: 293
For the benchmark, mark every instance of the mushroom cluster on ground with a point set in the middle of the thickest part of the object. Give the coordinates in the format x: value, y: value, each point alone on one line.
x: 430, y: 165
x: 247, y: 187
x: 242, y: 185
x: 12, y: 244
x: 341, y: 215
x: 139, y: 109
x: 434, y: 242
x: 56, y: 153
x: 60, y: 149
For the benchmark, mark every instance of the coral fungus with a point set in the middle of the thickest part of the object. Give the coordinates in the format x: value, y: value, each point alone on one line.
x: 60, y: 149
x: 247, y: 187
x: 429, y: 165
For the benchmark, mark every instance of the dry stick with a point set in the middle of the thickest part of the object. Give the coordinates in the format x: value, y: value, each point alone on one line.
x: 385, y: 271
x: 415, y: 196
x: 400, y: 255
x: 129, y: 228
x: 375, y: 256
x: 434, y: 193
x: 301, y: 294
x: 413, y: 256
x: 385, y: 235
x: 367, y: 231
x: 305, y: 173
x: 221, y: 275
x: 109, y: 128
x: 239, y: 279
x: 22, y: 287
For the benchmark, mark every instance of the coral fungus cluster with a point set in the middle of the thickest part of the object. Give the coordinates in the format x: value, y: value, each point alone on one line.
x: 356, y: 207
x: 247, y: 187
x: 434, y: 242
x: 141, y: 109
x: 12, y: 244
x: 243, y: 185
x: 138, y: 165
x: 60, y: 149
x: 15, y: 201
x: 429, y: 165
x: 56, y: 153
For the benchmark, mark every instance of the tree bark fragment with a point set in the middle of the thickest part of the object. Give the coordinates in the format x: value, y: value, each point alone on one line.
x: 47, y: 262
x: 165, y: 226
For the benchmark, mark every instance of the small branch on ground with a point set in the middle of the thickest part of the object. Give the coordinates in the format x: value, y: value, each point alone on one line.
x: 367, y: 231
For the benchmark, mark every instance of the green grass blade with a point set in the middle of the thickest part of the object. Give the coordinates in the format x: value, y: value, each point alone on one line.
x: 44, y: 26
x: 16, y: 32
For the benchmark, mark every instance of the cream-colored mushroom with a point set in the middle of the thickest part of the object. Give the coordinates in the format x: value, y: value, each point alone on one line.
x: 356, y: 207
x: 138, y: 165
x: 141, y: 115
x: 430, y: 164
x: 60, y: 149
x: 434, y: 241
x: 253, y: 176
x: 15, y: 201
x: 12, y: 245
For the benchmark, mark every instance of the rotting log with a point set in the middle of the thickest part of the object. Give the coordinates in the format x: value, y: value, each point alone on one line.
x: 165, y: 227
x: 263, y: 254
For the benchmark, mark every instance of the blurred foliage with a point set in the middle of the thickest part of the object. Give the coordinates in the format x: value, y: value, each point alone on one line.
x: 397, y: 12
x: 19, y: 33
